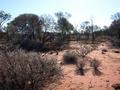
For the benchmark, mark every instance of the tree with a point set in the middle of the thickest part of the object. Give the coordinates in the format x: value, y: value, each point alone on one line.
x: 47, y: 26
x: 115, y: 25
x: 62, y: 14
x: 4, y: 17
x: 27, y: 25
x: 116, y: 16
x: 85, y: 27
x: 64, y: 26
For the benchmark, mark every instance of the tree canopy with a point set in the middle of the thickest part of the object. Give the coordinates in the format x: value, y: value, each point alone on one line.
x: 27, y: 24
x: 4, y: 17
x: 115, y: 25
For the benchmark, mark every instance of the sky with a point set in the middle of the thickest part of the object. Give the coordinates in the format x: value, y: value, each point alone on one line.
x: 81, y: 10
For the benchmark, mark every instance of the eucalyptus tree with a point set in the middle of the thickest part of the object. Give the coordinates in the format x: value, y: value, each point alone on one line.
x: 4, y: 17
x: 64, y: 26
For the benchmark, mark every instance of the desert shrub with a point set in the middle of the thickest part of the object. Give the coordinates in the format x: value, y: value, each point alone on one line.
x: 85, y: 49
x: 82, y: 54
x: 116, y: 86
x: 115, y: 42
x: 80, y: 67
x: 31, y: 45
x: 96, y: 64
x: 26, y: 71
x: 70, y: 58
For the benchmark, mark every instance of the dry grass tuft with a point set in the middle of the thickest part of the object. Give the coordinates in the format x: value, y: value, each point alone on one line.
x: 70, y: 58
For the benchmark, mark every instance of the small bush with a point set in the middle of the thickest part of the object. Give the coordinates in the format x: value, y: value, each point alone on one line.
x: 115, y: 42
x: 26, y: 71
x: 32, y: 45
x: 95, y: 64
x: 80, y: 67
x: 85, y: 49
x: 116, y: 86
x: 70, y: 58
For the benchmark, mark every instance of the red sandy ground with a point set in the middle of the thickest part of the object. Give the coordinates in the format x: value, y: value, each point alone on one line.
x: 110, y: 67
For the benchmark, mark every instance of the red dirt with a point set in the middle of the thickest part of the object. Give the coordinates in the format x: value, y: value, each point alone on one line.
x: 110, y: 67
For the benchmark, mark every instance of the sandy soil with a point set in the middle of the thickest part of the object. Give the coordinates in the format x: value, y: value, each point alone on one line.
x: 110, y: 68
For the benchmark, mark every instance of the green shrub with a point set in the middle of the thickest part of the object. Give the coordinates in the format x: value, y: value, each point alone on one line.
x: 26, y: 71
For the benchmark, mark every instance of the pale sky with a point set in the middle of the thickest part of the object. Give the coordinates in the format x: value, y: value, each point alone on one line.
x: 81, y: 10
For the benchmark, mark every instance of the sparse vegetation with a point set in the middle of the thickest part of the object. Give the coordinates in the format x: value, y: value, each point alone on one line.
x: 84, y: 50
x: 80, y: 67
x: 26, y: 71
x: 96, y: 64
x: 70, y: 58
x: 115, y: 42
x: 28, y: 39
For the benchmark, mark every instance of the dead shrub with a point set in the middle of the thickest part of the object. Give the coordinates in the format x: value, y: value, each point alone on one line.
x: 26, y: 71
x: 80, y: 67
x: 96, y: 64
x: 70, y: 58
x: 85, y: 49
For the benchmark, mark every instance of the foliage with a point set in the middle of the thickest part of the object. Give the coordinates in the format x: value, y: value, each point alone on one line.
x: 64, y: 26
x: 27, y: 25
x: 85, y: 49
x: 115, y: 30
x: 26, y: 71
x: 70, y: 58
x: 80, y: 67
x: 49, y: 25
x: 4, y: 17
x: 95, y: 64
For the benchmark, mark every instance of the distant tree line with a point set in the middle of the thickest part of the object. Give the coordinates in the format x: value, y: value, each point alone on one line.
x: 42, y: 32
